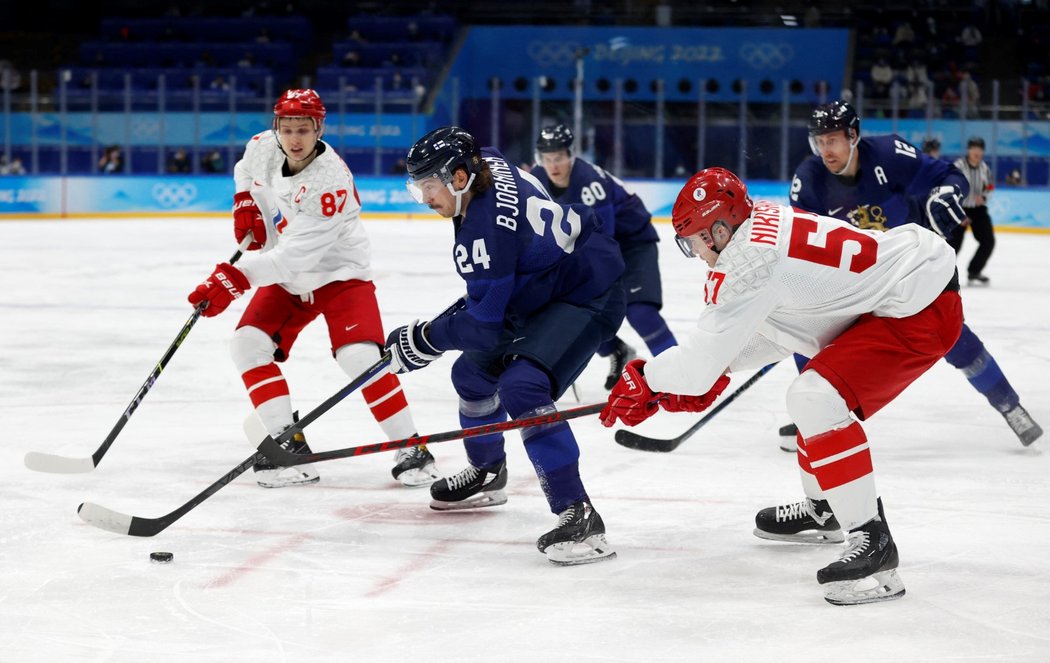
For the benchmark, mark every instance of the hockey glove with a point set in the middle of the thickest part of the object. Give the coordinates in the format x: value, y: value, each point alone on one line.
x: 225, y: 284
x: 631, y: 400
x: 681, y: 403
x: 944, y: 210
x: 410, y: 349
x: 248, y: 219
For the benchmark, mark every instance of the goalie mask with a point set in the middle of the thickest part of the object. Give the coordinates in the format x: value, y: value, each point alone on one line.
x: 711, y: 197
x: 436, y: 156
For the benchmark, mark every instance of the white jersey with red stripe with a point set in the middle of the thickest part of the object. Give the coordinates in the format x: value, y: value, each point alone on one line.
x: 792, y: 281
x: 315, y: 231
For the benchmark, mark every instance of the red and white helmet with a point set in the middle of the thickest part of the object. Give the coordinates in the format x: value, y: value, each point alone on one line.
x: 300, y: 103
x: 712, y: 196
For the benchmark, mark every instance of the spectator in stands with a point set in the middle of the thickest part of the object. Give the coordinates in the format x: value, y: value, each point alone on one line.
x: 905, y: 35
x: 13, y: 167
x: 111, y: 161
x: 881, y: 78
x: 352, y: 59
x: 969, y: 95
x: 10, y: 78
x: 399, y: 167
x: 811, y: 19
x: 355, y: 36
x: 1013, y: 178
x: 264, y: 36
x: 970, y: 37
x: 179, y: 162
x: 213, y: 162
x: 219, y: 84
x: 247, y: 60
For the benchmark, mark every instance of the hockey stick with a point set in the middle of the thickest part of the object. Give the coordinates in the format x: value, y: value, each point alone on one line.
x: 43, y: 462
x: 633, y: 440
x: 273, y: 450
x: 120, y: 523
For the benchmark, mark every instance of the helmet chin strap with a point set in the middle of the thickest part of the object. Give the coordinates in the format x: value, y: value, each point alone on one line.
x: 849, y: 161
x: 459, y: 194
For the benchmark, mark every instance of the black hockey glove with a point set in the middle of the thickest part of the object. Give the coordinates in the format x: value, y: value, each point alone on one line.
x: 410, y: 349
x: 944, y: 210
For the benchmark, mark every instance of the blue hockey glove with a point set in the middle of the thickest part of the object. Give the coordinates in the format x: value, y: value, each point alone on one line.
x: 410, y: 349
x: 944, y: 210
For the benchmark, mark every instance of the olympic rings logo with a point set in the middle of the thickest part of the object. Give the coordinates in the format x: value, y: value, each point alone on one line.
x: 174, y: 195
x: 553, y: 54
x: 766, y: 55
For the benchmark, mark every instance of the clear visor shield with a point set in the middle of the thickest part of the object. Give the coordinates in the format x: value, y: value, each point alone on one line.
x: 690, y: 245
x: 554, y: 160
x: 424, y: 189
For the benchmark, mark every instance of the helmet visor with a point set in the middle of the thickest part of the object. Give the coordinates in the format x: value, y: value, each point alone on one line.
x: 691, y: 244
x: 424, y: 189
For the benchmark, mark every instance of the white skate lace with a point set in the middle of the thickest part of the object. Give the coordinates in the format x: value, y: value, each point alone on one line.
x: 461, y: 479
x: 793, y: 511
x: 566, y: 516
x: 858, y: 541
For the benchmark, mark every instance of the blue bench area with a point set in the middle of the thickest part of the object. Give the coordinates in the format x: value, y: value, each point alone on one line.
x: 296, y: 29
x: 394, y: 80
x: 408, y: 53
x: 399, y: 28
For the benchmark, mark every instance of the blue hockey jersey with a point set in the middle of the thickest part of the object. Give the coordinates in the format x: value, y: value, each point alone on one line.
x: 518, y: 250
x: 619, y: 209
x: 889, y: 190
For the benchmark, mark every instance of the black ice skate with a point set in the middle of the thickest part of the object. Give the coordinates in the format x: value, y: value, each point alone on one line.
x: 1023, y: 425
x: 978, y: 280
x: 787, y: 437
x: 867, y: 571
x: 579, y: 538
x: 472, y: 488
x: 269, y: 475
x: 617, y: 360
x: 808, y: 521
x: 414, y: 467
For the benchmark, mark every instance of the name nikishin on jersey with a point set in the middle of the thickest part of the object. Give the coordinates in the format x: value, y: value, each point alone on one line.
x: 506, y: 192
x: 765, y: 224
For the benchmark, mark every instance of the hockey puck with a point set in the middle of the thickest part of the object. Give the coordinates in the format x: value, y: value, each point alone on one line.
x: 161, y: 557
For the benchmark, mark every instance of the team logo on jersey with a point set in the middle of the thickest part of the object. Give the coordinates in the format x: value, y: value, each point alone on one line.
x: 175, y: 194
x: 868, y: 217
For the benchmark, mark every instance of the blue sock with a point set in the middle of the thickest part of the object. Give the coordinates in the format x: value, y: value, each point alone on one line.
x: 980, y: 368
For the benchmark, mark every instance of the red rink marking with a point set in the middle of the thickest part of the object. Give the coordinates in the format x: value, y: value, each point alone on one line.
x: 257, y: 561
x: 419, y: 562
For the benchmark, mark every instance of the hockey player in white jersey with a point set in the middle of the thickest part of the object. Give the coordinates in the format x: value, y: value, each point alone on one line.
x: 297, y: 198
x: 873, y: 310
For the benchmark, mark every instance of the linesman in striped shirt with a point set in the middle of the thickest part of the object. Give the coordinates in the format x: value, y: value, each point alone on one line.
x: 979, y: 175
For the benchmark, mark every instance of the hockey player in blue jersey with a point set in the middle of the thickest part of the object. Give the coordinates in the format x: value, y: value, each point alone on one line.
x: 883, y: 181
x: 543, y: 291
x: 570, y: 179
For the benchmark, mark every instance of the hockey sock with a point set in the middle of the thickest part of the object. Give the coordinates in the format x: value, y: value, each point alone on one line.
x: 483, y: 450
x: 982, y: 371
x: 645, y: 318
x: 841, y: 462
x: 526, y: 391
x: 383, y: 394
x: 252, y: 352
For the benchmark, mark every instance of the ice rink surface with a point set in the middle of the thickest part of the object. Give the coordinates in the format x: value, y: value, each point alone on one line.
x: 357, y: 568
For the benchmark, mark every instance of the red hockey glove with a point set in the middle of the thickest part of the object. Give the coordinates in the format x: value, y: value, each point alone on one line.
x: 631, y: 400
x: 247, y: 218
x: 681, y: 403
x: 225, y: 284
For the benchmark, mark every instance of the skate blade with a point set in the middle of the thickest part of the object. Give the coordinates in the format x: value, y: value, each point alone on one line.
x: 810, y: 536
x: 788, y: 444
x: 571, y: 553
x: 881, y: 586
x: 416, y: 478
x: 479, y: 501
x: 283, y: 477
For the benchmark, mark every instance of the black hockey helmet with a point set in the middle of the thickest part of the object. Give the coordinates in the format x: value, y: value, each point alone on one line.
x: 834, y: 116
x: 555, y: 138
x: 441, y: 152
x: 930, y: 144
x: 975, y: 141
